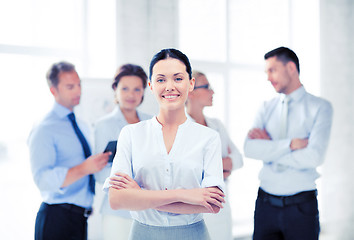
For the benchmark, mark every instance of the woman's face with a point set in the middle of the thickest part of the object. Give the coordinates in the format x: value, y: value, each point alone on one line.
x: 129, y: 92
x: 203, y: 94
x: 170, y: 83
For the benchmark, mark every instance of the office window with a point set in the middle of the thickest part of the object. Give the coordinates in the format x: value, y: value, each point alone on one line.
x: 41, y: 23
x: 203, y: 29
x: 255, y: 26
x: 101, y: 39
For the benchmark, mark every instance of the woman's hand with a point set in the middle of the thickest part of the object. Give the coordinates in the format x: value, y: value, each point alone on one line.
x: 227, y: 166
x: 123, y: 181
x: 211, y: 198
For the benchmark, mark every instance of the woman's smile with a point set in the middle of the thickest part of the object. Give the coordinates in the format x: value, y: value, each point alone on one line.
x: 171, y: 96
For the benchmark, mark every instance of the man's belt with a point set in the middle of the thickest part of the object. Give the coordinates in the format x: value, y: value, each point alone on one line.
x: 86, y: 212
x: 282, y: 201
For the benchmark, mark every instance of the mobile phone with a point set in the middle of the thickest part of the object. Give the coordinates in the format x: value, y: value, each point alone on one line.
x: 111, y: 147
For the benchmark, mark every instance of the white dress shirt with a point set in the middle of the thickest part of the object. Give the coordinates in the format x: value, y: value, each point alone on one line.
x: 287, y: 172
x: 108, y: 129
x: 193, y: 162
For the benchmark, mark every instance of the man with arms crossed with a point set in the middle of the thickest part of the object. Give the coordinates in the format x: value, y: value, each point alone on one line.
x: 290, y: 135
x: 61, y: 163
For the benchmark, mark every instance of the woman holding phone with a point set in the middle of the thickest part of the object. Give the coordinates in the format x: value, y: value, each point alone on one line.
x: 128, y: 85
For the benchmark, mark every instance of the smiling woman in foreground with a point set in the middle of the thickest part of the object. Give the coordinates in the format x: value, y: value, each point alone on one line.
x: 168, y: 170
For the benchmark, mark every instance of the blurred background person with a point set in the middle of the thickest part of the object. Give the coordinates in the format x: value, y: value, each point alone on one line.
x: 128, y: 85
x: 219, y: 225
x: 61, y: 161
x: 290, y: 136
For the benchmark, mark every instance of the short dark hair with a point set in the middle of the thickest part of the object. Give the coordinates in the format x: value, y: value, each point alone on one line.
x: 57, y: 68
x: 129, y: 70
x: 284, y: 55
x: 171, y: 53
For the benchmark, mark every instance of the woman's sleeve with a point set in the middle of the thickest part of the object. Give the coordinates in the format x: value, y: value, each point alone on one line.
x: 233, y: 152
x: 122, y: 160
x: 213, y: 170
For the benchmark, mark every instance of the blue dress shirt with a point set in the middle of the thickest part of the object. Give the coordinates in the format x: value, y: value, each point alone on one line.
x: 287, y: 172
x: 54, y: 149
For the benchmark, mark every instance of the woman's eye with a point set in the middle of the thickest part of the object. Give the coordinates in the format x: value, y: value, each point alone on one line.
x: 137, y: 89
x: 179, y: 79
x: 125, y: 89
x: 160, y: 80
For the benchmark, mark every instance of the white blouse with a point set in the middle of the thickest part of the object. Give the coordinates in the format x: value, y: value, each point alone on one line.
x: 193, y: 162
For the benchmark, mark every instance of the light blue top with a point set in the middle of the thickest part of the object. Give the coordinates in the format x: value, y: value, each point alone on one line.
x: 54, y: 149
x: 287, y: 172
x: 193, y: 162
x: 108, y: 129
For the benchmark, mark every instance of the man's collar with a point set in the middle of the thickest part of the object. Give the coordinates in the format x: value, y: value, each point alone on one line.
x: 60, y: 110
x: 295, y: 95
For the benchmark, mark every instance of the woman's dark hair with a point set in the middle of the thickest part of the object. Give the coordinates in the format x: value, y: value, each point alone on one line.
x: 171, y: 53
x: 129, y: 70
x: 54, y: 71
x: 284, y: 55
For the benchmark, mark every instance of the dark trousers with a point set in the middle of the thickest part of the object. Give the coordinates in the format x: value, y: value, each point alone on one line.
x: 286, y: 218
x: 56, y: 223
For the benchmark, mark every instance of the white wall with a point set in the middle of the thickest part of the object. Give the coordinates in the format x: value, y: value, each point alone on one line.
x: 337, y: 85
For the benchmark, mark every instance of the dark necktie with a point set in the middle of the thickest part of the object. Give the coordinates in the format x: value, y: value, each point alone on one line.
x: 85, y: 147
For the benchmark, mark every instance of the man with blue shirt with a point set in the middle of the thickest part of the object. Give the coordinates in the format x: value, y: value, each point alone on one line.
x: 61, y: 161
x: 290, y: 135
